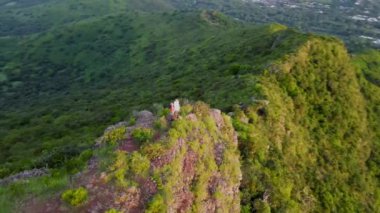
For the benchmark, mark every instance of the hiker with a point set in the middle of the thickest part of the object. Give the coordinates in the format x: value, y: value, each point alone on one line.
x: 177, y: 107
x: 172, y: 111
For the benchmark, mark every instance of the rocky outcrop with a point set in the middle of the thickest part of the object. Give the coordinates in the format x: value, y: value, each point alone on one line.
x: 205, y: 153
x: 24, y: 175
x: 190, y: 164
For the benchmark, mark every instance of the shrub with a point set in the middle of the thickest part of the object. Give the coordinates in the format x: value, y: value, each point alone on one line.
x: 161, y: 123
x: 86, y: 155
x: 4, y: 171
x: 74, y: 165
x: 142, y: 135
x: 132, y: 121
x: 119, y: 168
x: 113, y: 211
x: 262, y: 206
x: 139, y: 164
x: 115, y: 135
x: 158, y: 109
x: 186, y: 109
x: 201, y: 109
x: 153, y: 150
x: 156, y: 205
x: 75, y: 197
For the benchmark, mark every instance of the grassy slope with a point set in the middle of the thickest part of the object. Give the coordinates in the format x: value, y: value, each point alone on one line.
x: 311, y: 147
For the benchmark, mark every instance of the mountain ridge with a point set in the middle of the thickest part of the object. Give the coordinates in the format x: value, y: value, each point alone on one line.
x: 306, y: 117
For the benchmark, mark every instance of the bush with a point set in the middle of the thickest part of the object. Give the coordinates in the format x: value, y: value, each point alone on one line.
x: 186, y: 109
x: 153, y: 150
x: 75, y: 197
x: 4, y: 172
x: 142, y: 135
x: 115, y: 135
x: 201, y: 109
x: 132, y: 121
x: 161, y: 123
x: 156, y: 205
x: 262, y: 206
x: 113, y: 211
x: 139, y: 164
x: 76, y: 164
x: 86, y: 155
x: 119, y: 168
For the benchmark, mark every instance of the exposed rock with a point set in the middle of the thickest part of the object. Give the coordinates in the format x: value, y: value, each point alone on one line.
x: 144, y: 119
x: 24, y: 175
x: 192, y: 117
x: 218, y: 151
x: 189, y: 164
x: 217, y: 115
x: 118, y: 125
x: 168, y: 156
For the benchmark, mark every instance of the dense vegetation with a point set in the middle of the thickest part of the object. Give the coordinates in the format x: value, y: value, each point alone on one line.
x: 103, y: 75
x: 310, y: 146
x: 20, y: 17
x: 308, y: 115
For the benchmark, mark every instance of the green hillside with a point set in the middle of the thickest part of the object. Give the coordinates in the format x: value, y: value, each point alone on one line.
x: 27, y: 17
x: 64, y: 86
x: 306, y: 115
x: 21, y: 17
x: 313, y: 146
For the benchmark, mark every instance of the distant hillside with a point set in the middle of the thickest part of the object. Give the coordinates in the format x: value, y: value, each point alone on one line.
x: 356, y: 22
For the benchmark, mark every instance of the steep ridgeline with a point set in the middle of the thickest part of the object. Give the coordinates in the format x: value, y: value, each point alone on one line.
x: 156, y: 165
x: 307, y: 141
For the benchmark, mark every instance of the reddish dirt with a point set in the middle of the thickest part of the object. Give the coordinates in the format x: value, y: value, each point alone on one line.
x: 148, y: 189
x: 168, y: 156
x: 218, y: 151
x: 102, y: 196
x: 37, y: 206
x: 129, y: 145
x: 157, y: 136
x: 189, y: 166
x: 184, y: 199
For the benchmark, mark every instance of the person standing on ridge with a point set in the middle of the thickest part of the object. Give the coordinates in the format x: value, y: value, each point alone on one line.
x: 172, y: 111
x: 177, y: 108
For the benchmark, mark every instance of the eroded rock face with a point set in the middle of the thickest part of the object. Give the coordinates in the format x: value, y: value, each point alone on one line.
x: 199, y: 170
x: 144, y: 119
x: 210, y: 176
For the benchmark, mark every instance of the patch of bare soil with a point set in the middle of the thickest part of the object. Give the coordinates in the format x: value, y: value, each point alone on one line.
x: 128, y: 145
